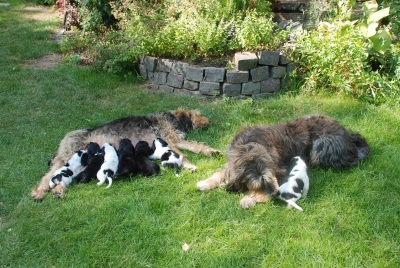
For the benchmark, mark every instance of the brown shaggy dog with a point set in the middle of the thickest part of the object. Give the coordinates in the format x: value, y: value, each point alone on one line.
x: 171, y: 126
x: 258, y: 157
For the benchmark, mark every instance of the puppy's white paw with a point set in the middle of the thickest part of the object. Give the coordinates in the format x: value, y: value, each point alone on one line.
x: 203, y: 186
x: 247, y: 202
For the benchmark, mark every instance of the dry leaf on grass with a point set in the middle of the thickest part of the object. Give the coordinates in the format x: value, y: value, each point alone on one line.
x: 185, y: 247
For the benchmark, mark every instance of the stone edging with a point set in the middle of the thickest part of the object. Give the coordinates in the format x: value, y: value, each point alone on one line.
x: 255, y: 75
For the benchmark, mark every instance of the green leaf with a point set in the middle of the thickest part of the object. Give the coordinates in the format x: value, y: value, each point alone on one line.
x: 381, y: 41
x: 377, y: 16
x: 369, y: 7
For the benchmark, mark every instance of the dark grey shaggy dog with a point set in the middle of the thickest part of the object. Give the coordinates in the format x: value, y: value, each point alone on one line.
x: 258, y: 157
x: 172, y: 126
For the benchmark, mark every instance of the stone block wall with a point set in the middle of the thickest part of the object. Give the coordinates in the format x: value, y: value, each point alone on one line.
x: 255, y: 75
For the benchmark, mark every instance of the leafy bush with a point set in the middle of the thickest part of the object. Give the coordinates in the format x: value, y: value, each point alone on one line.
x: 195, y: 28
x: 336, y: 57
x: 96, y: 14
x: 89, y: 15
x: 45, y: 2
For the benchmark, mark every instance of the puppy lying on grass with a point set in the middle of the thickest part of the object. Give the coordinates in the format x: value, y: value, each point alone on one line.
x: 297, y: 184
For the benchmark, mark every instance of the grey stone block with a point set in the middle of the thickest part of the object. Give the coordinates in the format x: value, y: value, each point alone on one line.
x: 143, y: 71
x: 250, y: 88
x: 150, y: 76
x: 151, y: 63
x: 166, y: 88
x: 245, y: 61
x: 175, y: 80
x: 259, y: 73
x: 283, y: 60
x: 141, y: 59
x: 270, y: 58
x: 179, y: 68
x: 210, y: 88
x: 292, y: 66
x: 263, y: 95
x: 160, y: 78
x: 270, y: 85
x: 194, y: 73
x: 277, y: 72
x: 186, y: 92
x: 213, y: 74
x: 237, y: 77
x: 231, y: 90
x: 165, y: 65
x: 190, y: 85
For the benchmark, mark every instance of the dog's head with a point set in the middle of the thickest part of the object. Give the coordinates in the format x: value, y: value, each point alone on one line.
x: 92, y: 149
x: 143, y: 148
x: 126, y: 147
x: 190, y: 119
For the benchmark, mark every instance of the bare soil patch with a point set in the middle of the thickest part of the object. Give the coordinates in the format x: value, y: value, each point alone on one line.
x: 44, y: 62
x: 43, y: 14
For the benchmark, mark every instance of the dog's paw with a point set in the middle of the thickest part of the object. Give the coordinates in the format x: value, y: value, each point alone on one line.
x: 247, y: 202
x: 58, y: 191
x: 190, y: 167
x: 213, y: 152
x: 203, y: 186
x: 37, y: 195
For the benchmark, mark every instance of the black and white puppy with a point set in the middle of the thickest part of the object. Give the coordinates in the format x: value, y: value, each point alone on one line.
x: 127, y: 164
x: 168, y: 157
x: 145, y: 165
x: 109, y: 166
x: 66, y: 173
x: 297, y: 183
x: 95, y: 160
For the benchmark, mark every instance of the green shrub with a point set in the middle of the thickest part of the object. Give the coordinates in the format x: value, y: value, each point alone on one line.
x: 336, y: 58
x: 45, y: 2
x: 95, y: 15
x: 194, y: 28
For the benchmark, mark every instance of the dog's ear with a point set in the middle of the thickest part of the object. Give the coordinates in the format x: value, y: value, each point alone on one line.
x: 84, y: 159
x: 163, y: 142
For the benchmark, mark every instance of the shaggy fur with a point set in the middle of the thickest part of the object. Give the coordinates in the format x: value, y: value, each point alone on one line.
x: 95, y: 160
x: 145, y: 165
x: 127, y: 164
x: 67, y: 173
x: 296, y: 184
x: 168, y: 157
x: 172, y: 126
x: 109, y: 166
x: 258, y: 157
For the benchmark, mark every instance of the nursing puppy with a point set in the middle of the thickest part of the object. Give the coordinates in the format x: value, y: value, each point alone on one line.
x: 145, y: 165
x: 94, y: 162
x: 168, y: 157
x: 297, y: 183
x: 110, y: 165
x: 127, y: 164
x: 65, y: 174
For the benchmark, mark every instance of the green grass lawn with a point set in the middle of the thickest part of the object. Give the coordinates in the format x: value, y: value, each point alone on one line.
x: 350, y: 218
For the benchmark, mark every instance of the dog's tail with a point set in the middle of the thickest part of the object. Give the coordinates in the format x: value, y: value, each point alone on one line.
x: 291, y: 203
x: 109, y: 182
x: 339, y: 151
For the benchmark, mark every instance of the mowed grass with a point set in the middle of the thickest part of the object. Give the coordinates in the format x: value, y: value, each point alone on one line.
x: 350, y: 218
